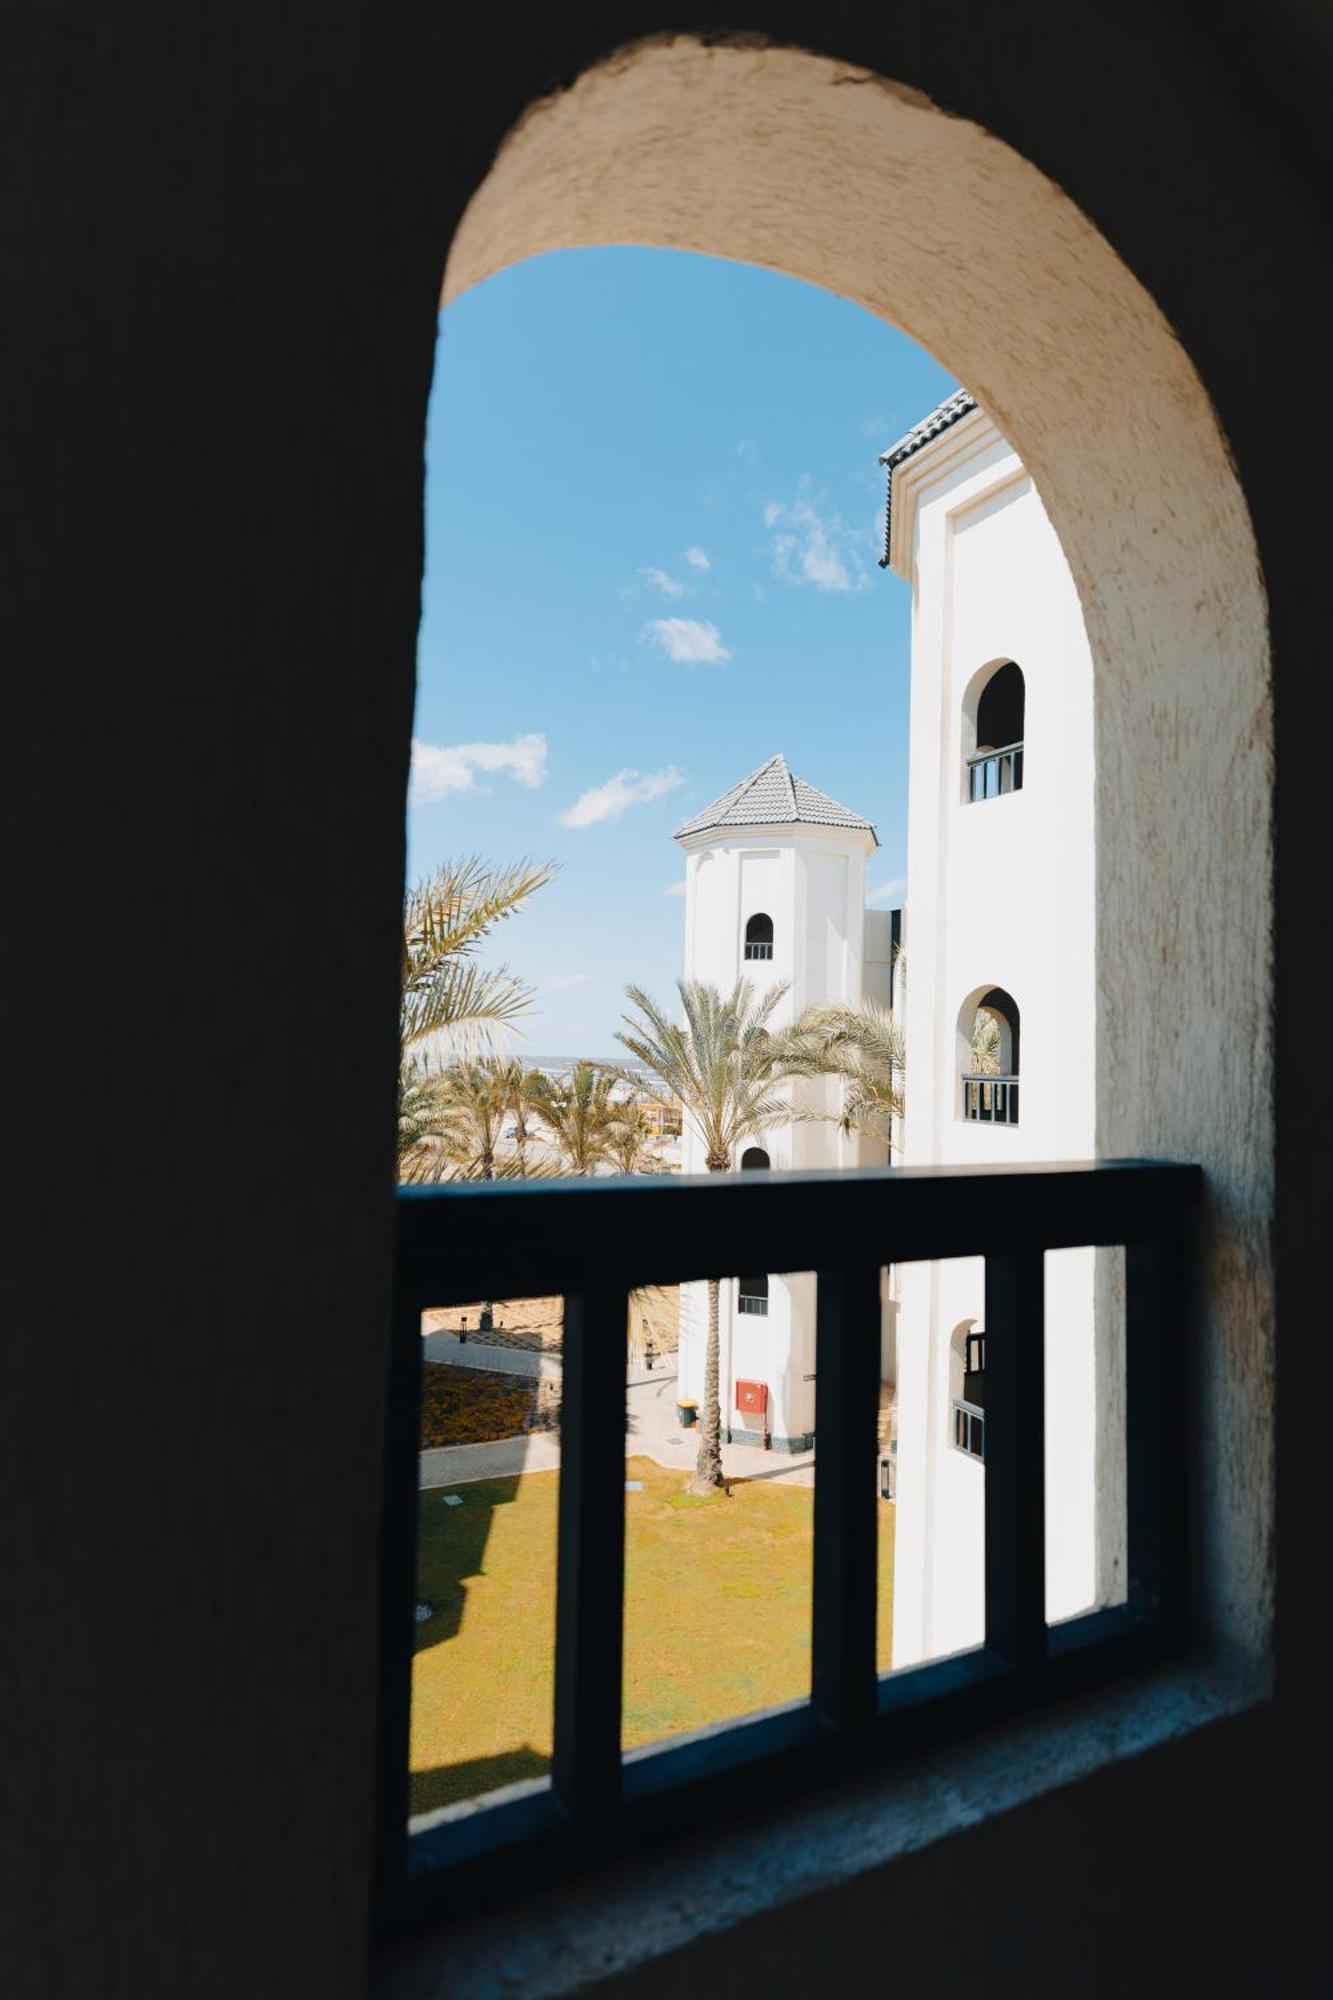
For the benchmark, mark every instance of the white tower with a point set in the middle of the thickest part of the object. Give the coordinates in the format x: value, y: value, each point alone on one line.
x: 1000, y: 914
x: 775, y: 893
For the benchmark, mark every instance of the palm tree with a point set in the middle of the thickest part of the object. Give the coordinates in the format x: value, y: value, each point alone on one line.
x: 725, y: 1067
x: 631, y: 1136
x: 862, y: 1045
x: 427, y: 1133
x: 524, y: 1089
x: 985, y: 1044
x: 473, y: 1100
x: 445, y: 917
x: 445, y: 993
x: 577, y: 1110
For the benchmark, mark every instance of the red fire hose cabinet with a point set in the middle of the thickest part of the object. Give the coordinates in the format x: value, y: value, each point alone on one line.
x: 752, y: 1402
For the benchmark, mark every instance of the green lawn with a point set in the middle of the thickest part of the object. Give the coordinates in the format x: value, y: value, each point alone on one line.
x: 717, y: 1619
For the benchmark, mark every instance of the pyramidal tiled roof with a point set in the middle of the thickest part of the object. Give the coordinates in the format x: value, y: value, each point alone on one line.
x: 772, y: 796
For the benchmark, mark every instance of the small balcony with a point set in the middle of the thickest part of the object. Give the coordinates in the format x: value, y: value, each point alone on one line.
x: 993, y: 772
x: 758, y: 948
x: 974, y: 1371
x: 990, y: 1100
x: 969, y: 1427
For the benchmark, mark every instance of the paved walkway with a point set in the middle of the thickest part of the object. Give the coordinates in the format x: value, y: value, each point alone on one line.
x: 452, y: 1352
x: 651, y: 1431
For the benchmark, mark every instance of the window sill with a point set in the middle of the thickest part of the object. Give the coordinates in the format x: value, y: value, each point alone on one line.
x: 627, y: 1917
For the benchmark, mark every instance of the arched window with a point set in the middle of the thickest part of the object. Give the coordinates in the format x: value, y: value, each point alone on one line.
x: 752, y: 1295
x: 967, y: 1388
x: 988, y: 1025
x: 993, y: 722
x: 759, y: 937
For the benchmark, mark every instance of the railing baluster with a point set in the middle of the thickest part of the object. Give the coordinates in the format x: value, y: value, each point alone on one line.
x: 585, y: 1767
x: 1157, y: 1460
x: 846, y: 1581
x: 398, y: 1573
x: 1015, y: 1458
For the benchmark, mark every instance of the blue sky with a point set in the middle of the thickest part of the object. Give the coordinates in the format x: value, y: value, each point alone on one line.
x: 653, y: 513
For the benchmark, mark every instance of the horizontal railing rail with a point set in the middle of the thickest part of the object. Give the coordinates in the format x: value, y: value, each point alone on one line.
x: 594, y: 1241
x: 992, y: 772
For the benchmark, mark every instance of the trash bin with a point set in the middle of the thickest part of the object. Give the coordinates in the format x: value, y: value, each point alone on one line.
x: 687, y: 1413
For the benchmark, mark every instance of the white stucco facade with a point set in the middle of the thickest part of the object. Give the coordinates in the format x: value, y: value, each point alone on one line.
x: 1001, y: 898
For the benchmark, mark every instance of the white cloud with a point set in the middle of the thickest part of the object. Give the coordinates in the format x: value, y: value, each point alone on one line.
x: 887, y: 892
x: 559, y: 982
x: 670, y: 586
x: 819, y: 549
x: 618, y: 794
x: 441, y: 768
x: 746, y: 451
x: 695, y: 641
x: 674, y: 889
x: 696, y: 557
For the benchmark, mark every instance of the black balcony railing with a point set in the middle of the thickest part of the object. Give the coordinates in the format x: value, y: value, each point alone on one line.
x: 969, y: 1427
x: 991, y: 1100
x: 594, y: 1241
x: 992, y: 772
x: 758, y: 948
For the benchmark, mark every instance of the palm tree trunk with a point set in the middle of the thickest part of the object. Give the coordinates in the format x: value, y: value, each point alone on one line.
x: 708, y: 1467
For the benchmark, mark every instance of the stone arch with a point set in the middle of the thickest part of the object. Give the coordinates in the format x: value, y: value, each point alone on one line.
x: 806, y: 165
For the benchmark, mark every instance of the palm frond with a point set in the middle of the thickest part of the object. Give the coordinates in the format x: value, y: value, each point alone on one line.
x: 470, y: 1003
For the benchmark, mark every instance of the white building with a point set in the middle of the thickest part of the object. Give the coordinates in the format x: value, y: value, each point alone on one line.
x: 1000, y: 925
x: 1000, y: 939
x: 775, y: 892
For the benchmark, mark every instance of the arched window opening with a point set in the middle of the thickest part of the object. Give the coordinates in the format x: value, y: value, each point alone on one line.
x: 993, y: 724
x: 988, y: 1036
x: 752, y: 1293
x: 759, y: 937
x: 967, y: 1388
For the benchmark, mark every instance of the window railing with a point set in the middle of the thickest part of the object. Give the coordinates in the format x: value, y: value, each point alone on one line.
x: 969, y: 1427
x: 758, y: 948
x: 592, y: 1242
x: 991, y: 1100
x: 992, y: 772
x: 752, y: 1302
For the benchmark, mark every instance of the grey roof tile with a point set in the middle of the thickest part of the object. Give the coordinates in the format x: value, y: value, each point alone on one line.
x: 771, y: 796
x: 941, y: 418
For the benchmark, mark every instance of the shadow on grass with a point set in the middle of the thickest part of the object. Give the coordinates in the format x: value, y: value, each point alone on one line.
x: 452, y: 1548
x: 471, y: 1779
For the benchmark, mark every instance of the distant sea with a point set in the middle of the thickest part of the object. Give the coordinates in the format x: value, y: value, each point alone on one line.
x: 561, y: 1065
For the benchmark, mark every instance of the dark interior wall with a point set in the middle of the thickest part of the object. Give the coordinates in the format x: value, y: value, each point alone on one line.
x: 225, y: 233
